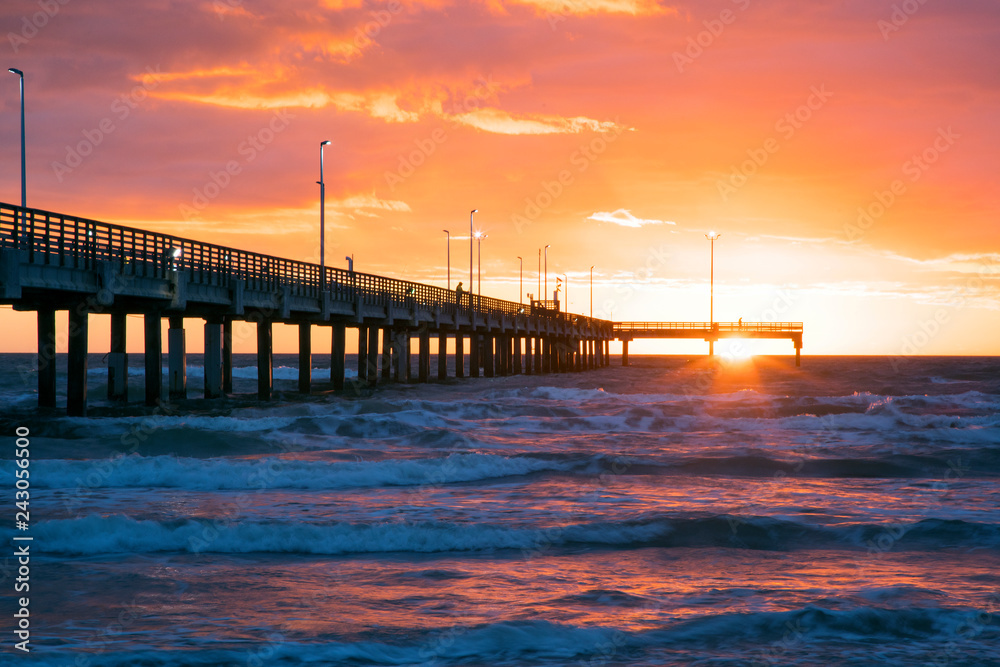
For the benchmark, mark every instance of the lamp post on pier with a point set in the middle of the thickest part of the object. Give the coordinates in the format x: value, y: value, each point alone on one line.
x: 546, y: 293
x: 322, y: 218
x: 472, y: 281
x: 711, y: 236
x: 520, y: 281
x: 24, y: 187
x: 479, y: 243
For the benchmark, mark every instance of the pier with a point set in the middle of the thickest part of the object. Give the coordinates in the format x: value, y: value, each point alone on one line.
x: 710, y: 332
x: 51, y: 262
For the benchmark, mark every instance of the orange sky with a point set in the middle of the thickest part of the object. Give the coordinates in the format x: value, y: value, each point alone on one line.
x: 618, y: 131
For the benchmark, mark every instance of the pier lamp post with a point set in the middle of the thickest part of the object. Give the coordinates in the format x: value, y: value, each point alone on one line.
x: 449, y: 256
x: 479, y: 243
x: 520, y: 281
x: 540, y: 292
x: 322, y: 218
x: 711, y: 236
x: 24, y: 188
x: 591, y: 292
x: 566, y: 291
x: 471, y: 239
x: 546, y: 292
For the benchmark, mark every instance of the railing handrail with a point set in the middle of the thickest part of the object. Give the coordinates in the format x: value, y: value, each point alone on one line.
x: 47, y: 236
x: 709, y: 326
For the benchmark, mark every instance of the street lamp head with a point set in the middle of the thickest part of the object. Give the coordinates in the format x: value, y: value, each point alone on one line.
x: 325, y: 143
x: 475, y: 210
x: 549, y: 246
x: 14, y: 70
x: 711, y: 236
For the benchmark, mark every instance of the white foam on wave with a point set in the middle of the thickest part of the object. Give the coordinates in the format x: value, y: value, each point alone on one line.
x: 275, y: 473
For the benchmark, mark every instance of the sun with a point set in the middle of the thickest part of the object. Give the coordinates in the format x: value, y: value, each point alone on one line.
x: 736, y: 350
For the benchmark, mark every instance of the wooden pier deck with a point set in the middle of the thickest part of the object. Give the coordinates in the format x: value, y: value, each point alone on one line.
x: 710, y: 332
x: 52, y: 262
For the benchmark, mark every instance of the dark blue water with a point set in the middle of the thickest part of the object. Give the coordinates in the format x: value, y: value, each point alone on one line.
x: 674, y: 512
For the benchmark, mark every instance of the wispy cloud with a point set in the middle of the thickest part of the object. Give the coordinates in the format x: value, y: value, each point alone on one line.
x: 369, y: 201
x: 625, y: 218
x: 502, y: 122
x: 633, y: 7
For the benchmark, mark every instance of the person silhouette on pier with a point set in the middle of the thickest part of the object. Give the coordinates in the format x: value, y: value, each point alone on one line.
x: 458, y: 294
x: 740, y: 323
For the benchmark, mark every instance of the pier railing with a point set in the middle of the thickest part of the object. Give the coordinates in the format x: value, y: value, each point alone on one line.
x: 64, y: 240
x: 721, y: 327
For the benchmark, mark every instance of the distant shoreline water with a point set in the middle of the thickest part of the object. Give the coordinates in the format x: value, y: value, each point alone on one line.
x: 673, y: 512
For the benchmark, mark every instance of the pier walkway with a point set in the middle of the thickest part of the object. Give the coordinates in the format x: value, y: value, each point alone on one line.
x: 710, y: 332
x: 52, y: 262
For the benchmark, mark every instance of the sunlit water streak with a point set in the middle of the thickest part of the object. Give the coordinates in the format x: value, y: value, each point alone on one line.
x: 668, y: 513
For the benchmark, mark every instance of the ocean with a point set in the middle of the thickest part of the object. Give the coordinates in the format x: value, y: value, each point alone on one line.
x: 680, y: 511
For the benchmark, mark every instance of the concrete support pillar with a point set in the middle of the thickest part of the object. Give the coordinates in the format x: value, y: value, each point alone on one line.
x: 338, y: 352
x: 265, y: 369
x: 474, y: 344
x: 152, y: 358
x: 459, y: 355
x: 424, y: 356
x: 227, y: 356
x: 578, y: 364
x: 117, y: 361
x: 489, y: 370
x: 398, y: 341
x: 442, y: 356
x: 76, y: 392
x: 711, y: 348
x: 501, y: 355
x: 305, y: 357
x: 517, y: 355
x: 46, y: 358
x: 798, y: 355
x: 527, y: 355
x: 624, y: 353
x: 607, y: 352
x: 177, y: 359
x: 407, y: 362
x: 539, y: 364
x: 386, y: 354
x: 372, y: 356
x: 363, y: 353
x: 213, y: 358
x: 546, y: 364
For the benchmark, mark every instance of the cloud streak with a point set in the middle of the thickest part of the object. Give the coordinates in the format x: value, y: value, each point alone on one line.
x: 624, y: 218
